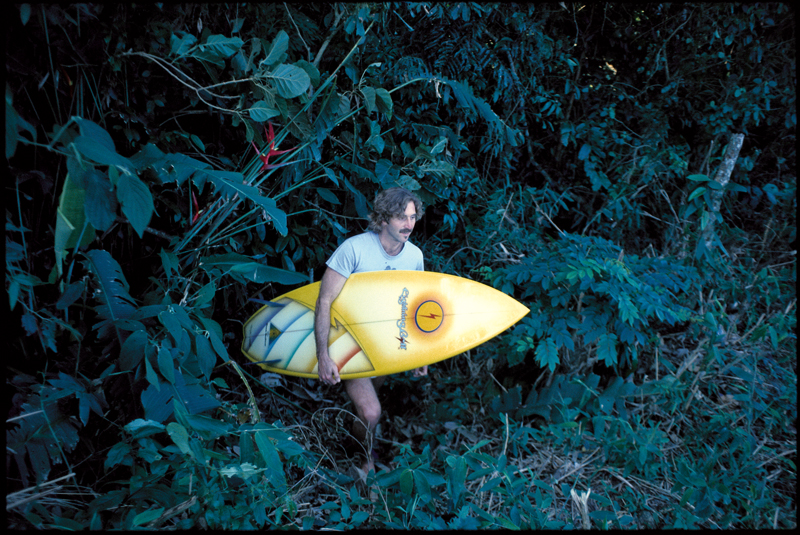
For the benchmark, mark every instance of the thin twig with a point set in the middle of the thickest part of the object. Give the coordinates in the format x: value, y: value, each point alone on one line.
x: 782, y: 454
x: 148, y: 229
x: 618, y: 477
x: 690, y: 360
x: 23, y: 416
x: 197, y: 89
x: 505, y: 445
x: 308, y: 50
x: 172, y: 511
x: 539, y: 209
x: 643, y: 212
x: 578, y: 467
x: 505, y: 212
x: 669, y: 202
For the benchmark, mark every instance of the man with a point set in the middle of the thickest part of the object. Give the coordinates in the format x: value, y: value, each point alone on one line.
x: 384, y: 246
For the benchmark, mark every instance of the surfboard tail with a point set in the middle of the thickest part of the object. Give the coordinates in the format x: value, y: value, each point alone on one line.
x: 280, y: 337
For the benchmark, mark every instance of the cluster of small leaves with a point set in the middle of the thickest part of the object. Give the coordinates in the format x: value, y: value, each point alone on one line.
x: 584, y: 290
x: 219, y: 468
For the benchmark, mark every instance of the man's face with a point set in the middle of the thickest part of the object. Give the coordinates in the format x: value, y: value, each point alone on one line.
x: 398, y: 229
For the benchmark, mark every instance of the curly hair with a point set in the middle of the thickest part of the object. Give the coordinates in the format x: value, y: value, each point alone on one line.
x: 392, y: 203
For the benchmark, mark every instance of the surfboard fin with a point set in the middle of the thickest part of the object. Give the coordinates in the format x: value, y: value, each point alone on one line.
x: 270, y: 362
x: 265, y: 302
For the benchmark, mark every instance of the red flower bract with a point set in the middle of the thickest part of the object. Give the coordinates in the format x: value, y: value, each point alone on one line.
x: 270, y: 135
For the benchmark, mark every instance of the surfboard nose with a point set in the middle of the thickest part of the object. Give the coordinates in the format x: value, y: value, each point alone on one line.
x: 518, y: 310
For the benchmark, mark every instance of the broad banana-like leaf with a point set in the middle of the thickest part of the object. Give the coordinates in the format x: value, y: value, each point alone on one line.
x: 70, y: 220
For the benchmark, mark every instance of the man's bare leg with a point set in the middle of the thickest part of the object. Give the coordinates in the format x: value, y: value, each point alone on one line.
x: 364, y: 394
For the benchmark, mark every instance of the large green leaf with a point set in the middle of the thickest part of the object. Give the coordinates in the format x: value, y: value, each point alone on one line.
x: 179, y: 436
x: 96, y: 144
x: 386, y: 172
x: 165, y: 364
x: 272, y: 460
x: 261, y: 111
x: 290, y: 81
x: 173, y: 167
x: 11, y: 127
x: 195, y: 396
x: 132, y: 351
x: 369, y: 98
x: 328, y: 195
x: 147, y: 516
x: 136, y: 201
x: 96, y: 133
x: 437, y: 168
x: 405, y: 181
x: 206, y: 358
x: 116, y: 301
x: 216, y: 49
x: 456, y: 478
x: 181, y: 45
x: 358, y: 171
x: 140, y: 428
x: 310, y: 69
x: 35, y: 434
x: 208, y: 428
x: 383, y: 102
x: 224, y: 46
x: 253, y: 271
x: 169, y: 320
x: 278, y: 49
x: 100, y: 204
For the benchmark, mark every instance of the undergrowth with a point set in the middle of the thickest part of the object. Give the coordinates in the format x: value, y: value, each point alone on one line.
x: 705, y: 440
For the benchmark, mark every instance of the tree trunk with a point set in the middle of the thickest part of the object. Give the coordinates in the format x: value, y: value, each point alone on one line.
x: 722, y: 178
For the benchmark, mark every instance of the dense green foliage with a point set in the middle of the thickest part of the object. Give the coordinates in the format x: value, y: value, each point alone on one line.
x: 567, y: 154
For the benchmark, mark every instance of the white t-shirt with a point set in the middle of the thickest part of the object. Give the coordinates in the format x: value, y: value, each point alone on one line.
x: 364, y: 252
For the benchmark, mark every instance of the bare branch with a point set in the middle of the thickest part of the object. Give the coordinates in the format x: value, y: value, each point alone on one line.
x: 335, y: 28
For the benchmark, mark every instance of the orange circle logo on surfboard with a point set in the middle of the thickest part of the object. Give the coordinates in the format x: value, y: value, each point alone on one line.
x: 429, y: 316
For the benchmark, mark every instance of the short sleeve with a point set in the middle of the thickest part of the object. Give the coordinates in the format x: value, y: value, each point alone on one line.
x: 343, y: 259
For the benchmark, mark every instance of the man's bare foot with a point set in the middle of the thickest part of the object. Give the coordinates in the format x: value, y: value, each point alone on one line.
x: 368, y: 465
x: 363, y: 473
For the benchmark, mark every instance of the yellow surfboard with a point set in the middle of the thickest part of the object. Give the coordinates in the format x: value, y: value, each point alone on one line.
x: 382, y: 322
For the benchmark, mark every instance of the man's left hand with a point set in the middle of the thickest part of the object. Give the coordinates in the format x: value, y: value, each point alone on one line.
x: 420, y: 372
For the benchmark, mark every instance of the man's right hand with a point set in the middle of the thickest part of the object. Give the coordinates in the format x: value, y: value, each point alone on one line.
x: 332, y: 284
x: 328, y: 371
